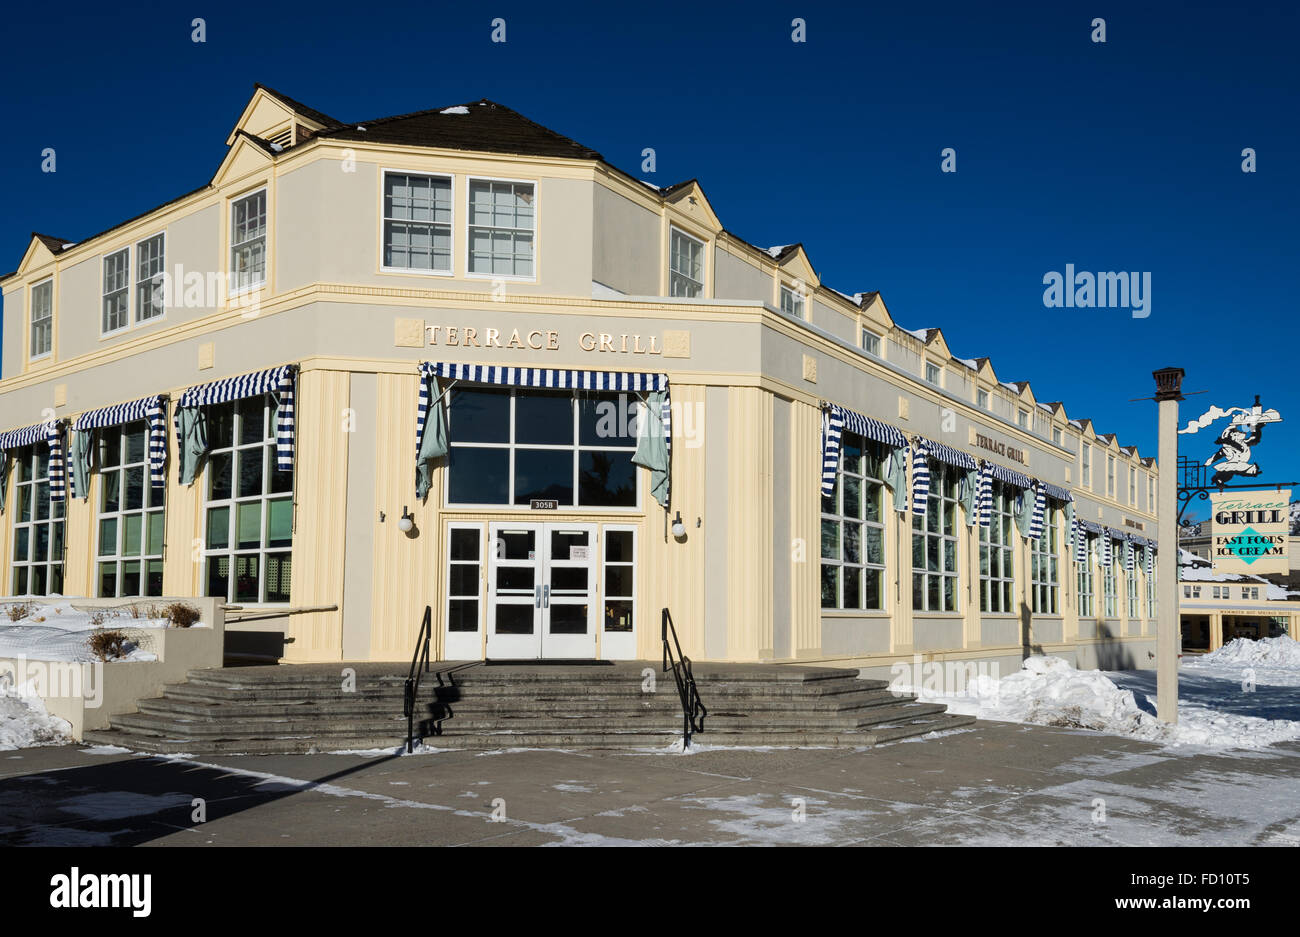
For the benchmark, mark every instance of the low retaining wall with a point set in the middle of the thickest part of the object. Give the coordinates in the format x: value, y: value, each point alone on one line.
x: 87, y: 694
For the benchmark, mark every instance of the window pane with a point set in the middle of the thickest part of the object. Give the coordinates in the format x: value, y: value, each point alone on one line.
x: 218, y: 528
x: 280, y: 523
x: 480, y: 416
x: 545, y: 474
x: 250, y: 525
x: 478, y: 476
x: 543, y: 419
x: 606, y: 479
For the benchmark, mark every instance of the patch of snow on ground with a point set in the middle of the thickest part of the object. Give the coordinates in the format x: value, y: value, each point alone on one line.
x: 1048, y: 691
x: 24, y: 722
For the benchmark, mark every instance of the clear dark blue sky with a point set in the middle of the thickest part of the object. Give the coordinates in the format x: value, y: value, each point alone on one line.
x: 1117, y: 156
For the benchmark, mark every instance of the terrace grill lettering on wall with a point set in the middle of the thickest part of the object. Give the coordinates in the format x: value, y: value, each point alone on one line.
x: 470, y: 336
x: 1000, y: 448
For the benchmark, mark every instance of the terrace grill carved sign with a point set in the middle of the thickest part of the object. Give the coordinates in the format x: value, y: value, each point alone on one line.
x: 1250, y: 531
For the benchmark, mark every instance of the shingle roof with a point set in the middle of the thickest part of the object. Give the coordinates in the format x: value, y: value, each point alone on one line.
x: 302, y: 109
x: 481, y: 125
x: 54, y: 244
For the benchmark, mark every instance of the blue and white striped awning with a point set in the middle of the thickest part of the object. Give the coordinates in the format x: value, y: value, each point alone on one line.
x: 548, y: 378
x: 922, y: 451
x: 1056, y: 492
x: 1009, y: 476
x: 146, y: 408
x: 838, y: 420
x: 947, y: 454
x: 1037, y: 518
x: 1092, y: 527
x: 984, y: 495
x: 52, y: 435
x: 278, y: 381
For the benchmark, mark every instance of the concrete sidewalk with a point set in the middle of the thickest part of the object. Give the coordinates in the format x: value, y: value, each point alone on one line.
x: 994, y: 784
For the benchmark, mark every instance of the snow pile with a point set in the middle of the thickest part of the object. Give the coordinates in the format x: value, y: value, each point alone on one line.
x: 24, y: 722
x: 1282, y: 652
x: 1048, y: 691
x: 455, y: 110
x: 60, y: 632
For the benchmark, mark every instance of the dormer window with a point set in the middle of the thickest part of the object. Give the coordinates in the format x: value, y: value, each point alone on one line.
x: 791, y: 301
x: 685, y: 265
x: 117, y: 291
x: 248, y: 242
x: 932, y: 373
x: 871, y: 342
x: 42, y: 319
x: 1023, y: 419
x: 982, y: 399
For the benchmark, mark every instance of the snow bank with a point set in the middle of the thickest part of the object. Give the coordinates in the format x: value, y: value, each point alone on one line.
x: 24, y: 722
x: 1282, y: 652
x: 59, y: 632
x: 1048, y: 691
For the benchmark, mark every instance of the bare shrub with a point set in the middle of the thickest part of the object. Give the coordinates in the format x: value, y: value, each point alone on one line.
x: 107, y: 645
x: 181, y: 615
x: 17, y: 611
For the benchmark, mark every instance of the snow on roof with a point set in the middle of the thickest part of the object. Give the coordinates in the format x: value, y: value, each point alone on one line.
x: 462, y: 109
x: 856, y: 298
x: 922, y: 334
x: 969, y: 362
x: 1193, y: 568
x: 776, y: 252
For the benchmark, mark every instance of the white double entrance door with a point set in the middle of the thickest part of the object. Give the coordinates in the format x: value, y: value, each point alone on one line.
x: 542, y: 598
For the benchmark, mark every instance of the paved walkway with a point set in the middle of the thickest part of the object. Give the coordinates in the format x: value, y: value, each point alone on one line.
x: 995, y: 784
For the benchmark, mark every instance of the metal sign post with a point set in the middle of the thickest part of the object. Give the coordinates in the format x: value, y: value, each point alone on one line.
x: 1169, y: 382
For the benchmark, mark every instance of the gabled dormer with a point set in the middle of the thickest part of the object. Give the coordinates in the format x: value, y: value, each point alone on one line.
x: 279, y: 120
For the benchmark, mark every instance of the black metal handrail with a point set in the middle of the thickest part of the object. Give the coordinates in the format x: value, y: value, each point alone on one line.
x: 693, y: 709
x: 412, y: 686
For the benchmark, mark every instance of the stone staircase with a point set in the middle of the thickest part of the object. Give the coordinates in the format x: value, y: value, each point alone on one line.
x: 306, y: 708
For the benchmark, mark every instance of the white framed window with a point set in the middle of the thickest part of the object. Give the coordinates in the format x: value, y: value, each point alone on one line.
x: 997, y: 547
x: 150, y: 261
x: 1110, y: 584
x: 685, y: 264
x: 510, y: 446
x: 1132, y: 486
x: 871, y: 342
x: 129, y: 556
x: 464, y: 575
x: 1247, y: 592
x: 248, y: 242
x: 1023, y: 419
x: 117, y: 291
x: 502, y: 228
x: 248, y: 506
x: 619, y: 579
x: 1044, y: 561
x: 1191, y: 592
x: 792, y: 301
x: 1151, y: 494
x: 982, y: 399
x: 42, y: 342
x: 1087, y: 608
x: 1110, y: 476
x: 1132, y: 583
x: 418, y: 221
x: 1056, y: 435
x: 934, y: 545
x: 853, y: 532
x: 38, y: 526
x: 933, y: 374
x: 1086, y: 461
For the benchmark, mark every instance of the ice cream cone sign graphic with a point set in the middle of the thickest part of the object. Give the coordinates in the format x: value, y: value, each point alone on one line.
x: 1244, y: 431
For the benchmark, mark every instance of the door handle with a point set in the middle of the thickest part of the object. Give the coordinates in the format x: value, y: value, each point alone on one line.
x: 537, y: 596
x: 546, y: 596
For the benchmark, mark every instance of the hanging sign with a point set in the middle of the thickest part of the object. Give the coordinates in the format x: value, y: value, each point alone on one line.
x: 1249, y: 531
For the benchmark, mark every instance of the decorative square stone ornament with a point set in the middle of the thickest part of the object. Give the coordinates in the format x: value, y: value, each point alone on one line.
x: 408, y: 333
x: 207, y: 356
x: 677, y: 343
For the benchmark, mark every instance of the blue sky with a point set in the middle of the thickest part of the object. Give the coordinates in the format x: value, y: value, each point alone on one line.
x: 1117, y: 156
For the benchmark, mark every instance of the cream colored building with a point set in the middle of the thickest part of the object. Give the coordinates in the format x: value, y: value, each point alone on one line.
x: 331, y: 259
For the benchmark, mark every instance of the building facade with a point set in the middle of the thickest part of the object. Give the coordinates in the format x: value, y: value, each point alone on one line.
x: 425, y: 361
